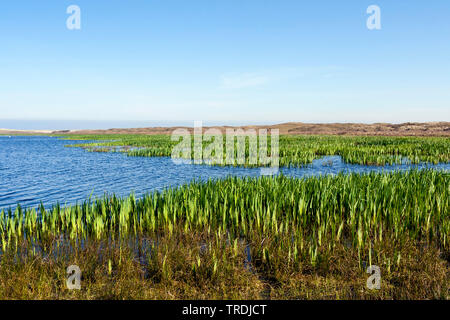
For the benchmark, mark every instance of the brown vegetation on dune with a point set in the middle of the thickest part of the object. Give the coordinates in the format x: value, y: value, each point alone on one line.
x: 434, y: 129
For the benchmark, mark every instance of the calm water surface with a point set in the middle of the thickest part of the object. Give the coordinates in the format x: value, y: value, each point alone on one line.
x: 35, y: 169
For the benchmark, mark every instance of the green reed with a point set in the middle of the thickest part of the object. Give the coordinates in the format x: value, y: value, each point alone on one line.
x: 302, y: 218
x: 301, y: 150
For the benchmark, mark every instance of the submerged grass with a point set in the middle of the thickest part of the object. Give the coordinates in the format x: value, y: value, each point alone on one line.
x: 267, y: 237
x: 300, y: 150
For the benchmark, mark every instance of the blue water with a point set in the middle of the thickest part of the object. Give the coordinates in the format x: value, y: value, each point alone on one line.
x: 35, y: 169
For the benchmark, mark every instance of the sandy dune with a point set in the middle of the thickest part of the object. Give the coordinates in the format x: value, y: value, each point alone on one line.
x: 16, y: 131
x: 376, y: 129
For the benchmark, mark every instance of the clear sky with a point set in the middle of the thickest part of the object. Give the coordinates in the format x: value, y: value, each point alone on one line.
x: 227, y: 60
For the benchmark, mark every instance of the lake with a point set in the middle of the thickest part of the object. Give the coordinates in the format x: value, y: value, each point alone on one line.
x: 39, y: 168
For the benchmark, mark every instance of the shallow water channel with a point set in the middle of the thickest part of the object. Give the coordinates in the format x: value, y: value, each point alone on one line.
x: 39, y: 168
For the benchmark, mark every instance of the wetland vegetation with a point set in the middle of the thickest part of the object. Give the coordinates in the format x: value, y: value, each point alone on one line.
x: 297, y: 150
x: 265, y: 237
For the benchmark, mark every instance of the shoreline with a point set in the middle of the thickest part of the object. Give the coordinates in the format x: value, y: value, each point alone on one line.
x: 20, y: 131
x: 426, y: 129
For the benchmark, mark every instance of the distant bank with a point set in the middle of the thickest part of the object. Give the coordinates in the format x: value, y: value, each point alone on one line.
x: 435, y: 129
x: 18, y: 132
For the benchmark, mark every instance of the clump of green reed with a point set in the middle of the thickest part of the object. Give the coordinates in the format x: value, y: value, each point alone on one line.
x: 272, y: 227
x: 301, y: 150
x: 361, y: 209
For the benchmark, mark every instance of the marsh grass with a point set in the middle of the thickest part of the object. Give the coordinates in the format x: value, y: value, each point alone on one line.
x: 296, y: 151
x: 181, y: 266
x: 267, y: 237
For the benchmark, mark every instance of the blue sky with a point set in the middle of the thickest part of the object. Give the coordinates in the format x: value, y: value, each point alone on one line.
x: 240, y: 61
